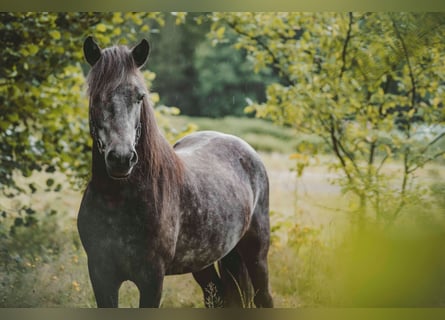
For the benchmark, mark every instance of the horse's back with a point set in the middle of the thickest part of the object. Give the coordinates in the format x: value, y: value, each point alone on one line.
x: 214, y: 144
x: 221, y: 154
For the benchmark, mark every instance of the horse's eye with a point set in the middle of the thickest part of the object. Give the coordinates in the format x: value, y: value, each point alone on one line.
x: 140, y: 97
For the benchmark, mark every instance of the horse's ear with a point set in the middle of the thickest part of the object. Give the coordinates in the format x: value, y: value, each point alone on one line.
x: 91, y: 51
x: 140, y: 53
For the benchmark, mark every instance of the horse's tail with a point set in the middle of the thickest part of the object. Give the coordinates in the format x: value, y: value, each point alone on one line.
x: 237, y: 287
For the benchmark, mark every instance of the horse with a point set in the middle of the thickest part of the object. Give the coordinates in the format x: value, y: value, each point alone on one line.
x: 151, y: 209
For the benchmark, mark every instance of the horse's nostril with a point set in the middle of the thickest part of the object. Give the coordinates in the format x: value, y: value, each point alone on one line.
x: 122, y: 160
x: 114, y: 158
x: 133, y: 158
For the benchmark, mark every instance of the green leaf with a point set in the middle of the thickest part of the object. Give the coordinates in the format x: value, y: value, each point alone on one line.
x: 33, y: 49
x: 220, y: 32
x: 30, y: 221
x: 49, y: 182
x: 55, y: 34
x: 101, y: 27
x: 18, y: 222
x: 30, y: 211
x: 33, y: 188
x: 50, y: 169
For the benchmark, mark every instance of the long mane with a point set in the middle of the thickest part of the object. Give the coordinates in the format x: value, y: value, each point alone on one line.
x: 159, y: 172
x: 159, y: 164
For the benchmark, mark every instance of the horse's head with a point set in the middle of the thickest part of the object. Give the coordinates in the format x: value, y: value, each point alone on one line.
x: 117, y: 95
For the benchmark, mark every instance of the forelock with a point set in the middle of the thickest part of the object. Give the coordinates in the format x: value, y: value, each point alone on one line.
x: 115, y: 67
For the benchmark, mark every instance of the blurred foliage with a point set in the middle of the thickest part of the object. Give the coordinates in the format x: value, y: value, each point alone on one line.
x: 391, y: 267
x: 200, y: 77
x: 438, y: 193
x: 171, y: 58
x: 362, y: 82
x: 381, y: 266
x: 225, y: 80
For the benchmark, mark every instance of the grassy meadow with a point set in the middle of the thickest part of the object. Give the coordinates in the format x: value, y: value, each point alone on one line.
x: 316, y: 258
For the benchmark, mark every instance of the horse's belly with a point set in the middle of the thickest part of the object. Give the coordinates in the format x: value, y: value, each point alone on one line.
x: 199, y: 249
x: 195, y: 260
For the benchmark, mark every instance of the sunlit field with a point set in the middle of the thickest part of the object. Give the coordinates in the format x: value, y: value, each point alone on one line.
x: 316, y: 258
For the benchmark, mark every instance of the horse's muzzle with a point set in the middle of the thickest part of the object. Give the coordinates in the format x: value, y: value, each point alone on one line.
x: 120, y: 164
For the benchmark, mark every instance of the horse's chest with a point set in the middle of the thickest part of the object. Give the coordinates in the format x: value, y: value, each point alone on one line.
x: 116, y: 234
x: 113, y: 231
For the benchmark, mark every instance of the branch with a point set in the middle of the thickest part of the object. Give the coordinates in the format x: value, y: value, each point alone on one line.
x: 334, y: 143
x: 275, y: 60
x: 371, y: 154
x: 440, y: 136
x: 437, y: 155
x: 424, y: 150
x: 430, y: 31
x: 382, y: 162
x: 350, y: 157
x: 338, y: 153
x: 404, y: 183
x: 408, y: 61
x: 385, y: 91
x: 345, y: 46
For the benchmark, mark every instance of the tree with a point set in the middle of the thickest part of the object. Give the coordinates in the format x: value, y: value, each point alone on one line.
x: 198, y: 77
x: 172, y: 60
x: 226, y: 80
x: 364, y: 83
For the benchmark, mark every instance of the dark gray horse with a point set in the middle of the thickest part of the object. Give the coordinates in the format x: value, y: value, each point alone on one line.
x: 151, y: 210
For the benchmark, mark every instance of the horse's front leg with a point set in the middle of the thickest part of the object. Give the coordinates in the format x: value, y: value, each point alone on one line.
x: 150, y: 288
x: 105, y: 283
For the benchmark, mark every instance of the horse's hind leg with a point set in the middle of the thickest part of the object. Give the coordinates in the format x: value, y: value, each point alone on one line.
x: 236, y: 282
x: 253, y: 248
x: 211, y: 285
x: 230, y: 288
